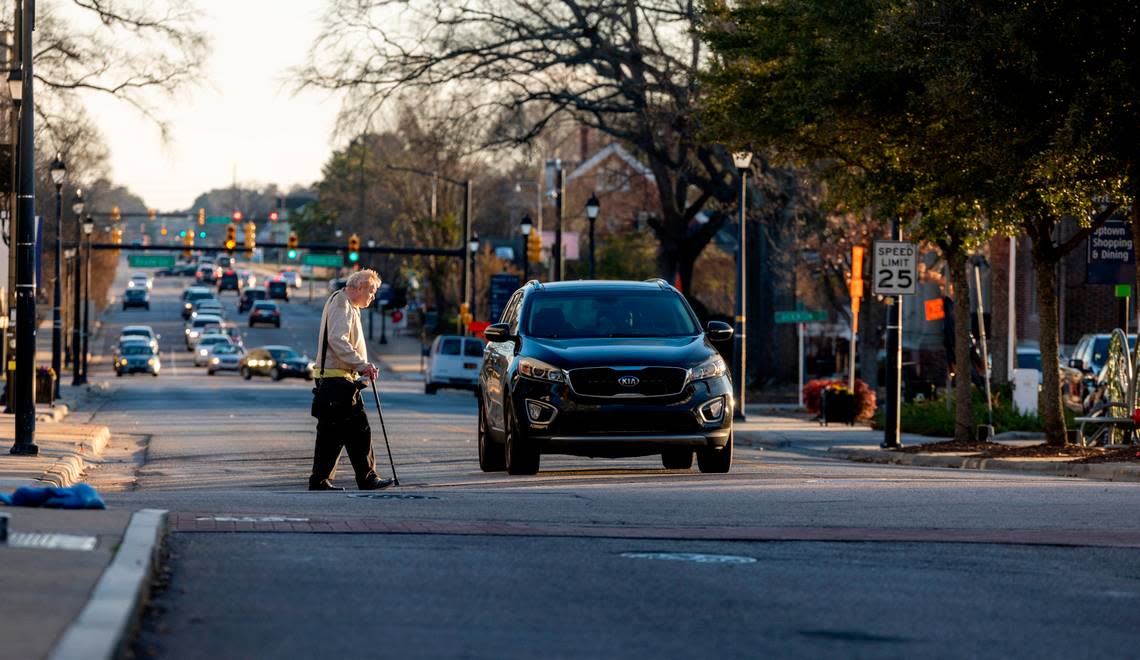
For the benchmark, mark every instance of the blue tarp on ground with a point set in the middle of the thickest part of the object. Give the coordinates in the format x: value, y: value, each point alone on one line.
x: 79, y: 496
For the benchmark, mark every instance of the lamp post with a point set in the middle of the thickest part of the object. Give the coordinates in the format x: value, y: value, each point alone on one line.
x: 16, y: 92
x: 742, y: 160
x: 592, y: 208
x: 559, y: 194
x: 58, y: 172
x: 77, y: 376
x: 526, y: 228
x: 25, y: 443
x: 473, y: 248
x: 88, y: 228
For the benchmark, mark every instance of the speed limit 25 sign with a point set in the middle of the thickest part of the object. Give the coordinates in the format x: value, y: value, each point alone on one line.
x: 894, y: 268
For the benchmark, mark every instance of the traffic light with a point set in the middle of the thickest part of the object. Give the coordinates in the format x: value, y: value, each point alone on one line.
x: 231, y: 236
x: 250, y: 238
x: 534, y: 246
x: 187, y: 243
x: 201, y: 234
x: 151, y: 214
x: 354, y: 248
x: 201, y: 217
x: 273, y: 216
x: 237, y: 216
x: 163, y: 230
x: 117, y: 236
x: 116, y: 214
x: 292, y: 245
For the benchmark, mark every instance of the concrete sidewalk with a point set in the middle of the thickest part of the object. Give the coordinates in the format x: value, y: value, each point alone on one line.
x: 796, y: 432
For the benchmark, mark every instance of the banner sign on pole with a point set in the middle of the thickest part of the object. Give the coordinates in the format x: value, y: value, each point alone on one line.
x: 934, y: 310
x: 894, y: 268
x: 1111, y: 255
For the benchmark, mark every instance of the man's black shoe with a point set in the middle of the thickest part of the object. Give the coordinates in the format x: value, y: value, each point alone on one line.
x: 376, y: 484
x: 324, y: 485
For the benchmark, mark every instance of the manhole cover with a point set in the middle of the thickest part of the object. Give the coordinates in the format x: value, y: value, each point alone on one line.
x: 391, y: 496
x: 51, y: 541
x: 690, y: 556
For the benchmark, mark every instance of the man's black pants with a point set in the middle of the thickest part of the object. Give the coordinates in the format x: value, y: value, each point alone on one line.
x: 347, y: 429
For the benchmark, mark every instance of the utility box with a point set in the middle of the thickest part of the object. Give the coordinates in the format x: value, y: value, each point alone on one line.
x: 1026, y: 387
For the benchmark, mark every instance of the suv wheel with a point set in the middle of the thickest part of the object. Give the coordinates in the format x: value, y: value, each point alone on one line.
x: 714, y: 460
x: 275, y: 374
x: 429, y: 388
x: 520, y: 458
x: 491, y: 455
x: 677, y: 459
x: 245, y: 373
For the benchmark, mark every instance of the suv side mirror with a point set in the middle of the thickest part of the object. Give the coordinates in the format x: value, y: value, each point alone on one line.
x: 719, y: 331
x: 498, y: 332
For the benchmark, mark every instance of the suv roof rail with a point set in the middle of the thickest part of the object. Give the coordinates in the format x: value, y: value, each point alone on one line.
x: 660, y: 282
x: 536, y: 283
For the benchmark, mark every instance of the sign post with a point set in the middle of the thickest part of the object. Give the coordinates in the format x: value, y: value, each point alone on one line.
x: 894, y: 273
x: 856, y: 290
x: 1124, y: 291
x: 799, y: 317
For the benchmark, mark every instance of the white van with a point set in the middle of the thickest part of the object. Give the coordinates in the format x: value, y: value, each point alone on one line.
x: 453, y: 361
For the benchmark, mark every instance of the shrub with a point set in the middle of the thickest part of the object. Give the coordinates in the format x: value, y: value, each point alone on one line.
x: 934, y: 417
x: 864, y: 396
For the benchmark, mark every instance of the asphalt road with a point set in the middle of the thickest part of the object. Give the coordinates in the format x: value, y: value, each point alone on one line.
x: 824, y: 558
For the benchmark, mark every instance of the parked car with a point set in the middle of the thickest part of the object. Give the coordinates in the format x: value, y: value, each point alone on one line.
x: 224, y: 357
x: 277, y: 362
x: 205, y: 343
x: 196, y: 328
x: 453, y: 361
x: 137, y: 297
x: 265, y: 311
x: 1081, y: 382
x: 278, y: 290
x: 606, y: 369
x: 143, y: 332
x: 137, y: 357
x: 250, y: 296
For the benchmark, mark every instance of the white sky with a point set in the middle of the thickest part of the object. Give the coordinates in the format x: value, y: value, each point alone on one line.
x: 244, y: 116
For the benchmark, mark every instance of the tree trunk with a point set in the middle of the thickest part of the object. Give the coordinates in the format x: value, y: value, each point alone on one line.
x: 1000, y: 327
x: 963, y: 406
x: 1044, y: 266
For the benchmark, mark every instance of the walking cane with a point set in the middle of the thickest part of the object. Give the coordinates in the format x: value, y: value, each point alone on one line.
x: 380, y: 412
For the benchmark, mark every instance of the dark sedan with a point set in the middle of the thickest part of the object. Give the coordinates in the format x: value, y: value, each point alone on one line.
x: 266, y: 312
x: 607, y: 369
x: 276, y: 362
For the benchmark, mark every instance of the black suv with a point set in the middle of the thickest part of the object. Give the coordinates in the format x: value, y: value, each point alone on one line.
x: 603, y: 368
x: 229, y: 281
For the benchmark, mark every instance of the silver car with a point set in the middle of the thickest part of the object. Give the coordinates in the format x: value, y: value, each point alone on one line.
x: 205, y: 344
x: 224, y: 357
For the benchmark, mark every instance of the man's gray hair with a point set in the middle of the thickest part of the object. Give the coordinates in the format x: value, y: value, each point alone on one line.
x: 362, y: 278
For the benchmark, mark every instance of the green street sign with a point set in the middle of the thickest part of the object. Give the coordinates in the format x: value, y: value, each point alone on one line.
x: 801, y: 316
x: 330, y: 260
x: 150, y: 260
x: 1123, y: 290
x: 218, y: 219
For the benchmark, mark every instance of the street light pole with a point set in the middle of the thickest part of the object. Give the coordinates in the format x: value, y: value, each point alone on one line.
x: 742, y: 160
x: 473, y: 249
x: 468, y: 261
x: 526, y: 228
x: 25, y: 443
x: 77, y: 376
x: 88, y: 227
x: 559, y: 204
x: 592, y: 208
x: 58, y: 171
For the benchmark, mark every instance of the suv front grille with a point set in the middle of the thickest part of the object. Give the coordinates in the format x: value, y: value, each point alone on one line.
x: 651, y: 381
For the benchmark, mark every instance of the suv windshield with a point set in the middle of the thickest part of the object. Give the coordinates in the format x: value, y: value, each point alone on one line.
x: 283, y: 354
x: 136, y: 349
x: 608, y: 313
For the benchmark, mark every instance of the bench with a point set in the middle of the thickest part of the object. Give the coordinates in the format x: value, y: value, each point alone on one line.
x: 1104, y: 425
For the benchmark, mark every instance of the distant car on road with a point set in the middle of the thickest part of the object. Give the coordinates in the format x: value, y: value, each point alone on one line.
x: 247, y: 278
x: 137, y: 297
x: 143, y: 332
x: 224, y: 357
x: 137, y: 357
x: 277, y: 362
x: 265, y: 311
x: 453, y: 361
x: 278, y: 290
x: 192, y: 295
x: 250, y: 296
x: 229, y: 281
x: 196, y: 328
x: 204, y: 344
x: 140, y: 280
x: 207, y: 274
x: 208, y: 306
x: 292, y: 277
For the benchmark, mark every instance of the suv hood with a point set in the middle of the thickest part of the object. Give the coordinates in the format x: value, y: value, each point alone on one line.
x: 623, y: 351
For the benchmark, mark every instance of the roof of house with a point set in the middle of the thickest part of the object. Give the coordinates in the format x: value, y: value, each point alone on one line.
x: 611, y: 149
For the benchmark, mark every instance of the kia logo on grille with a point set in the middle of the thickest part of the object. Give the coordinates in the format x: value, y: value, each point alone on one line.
x: 628, y: 381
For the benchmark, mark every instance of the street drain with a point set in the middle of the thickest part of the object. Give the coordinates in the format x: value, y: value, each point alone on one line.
x: 51, y: 541
x: 691, y: 556
x: 391, y: 496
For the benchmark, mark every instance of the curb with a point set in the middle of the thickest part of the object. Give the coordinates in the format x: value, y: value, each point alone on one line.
x: 106, y: 621
x: 1098, y: 471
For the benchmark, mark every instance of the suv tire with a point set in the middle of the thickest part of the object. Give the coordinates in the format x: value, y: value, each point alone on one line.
x: 521, y: 459
x: 429, y: 388
x: 245, y: 373
x: 715, y: 461
x: 677, y: 459
x: 492, y: 457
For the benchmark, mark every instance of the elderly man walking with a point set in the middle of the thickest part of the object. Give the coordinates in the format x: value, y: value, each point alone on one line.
x: 337, y: 405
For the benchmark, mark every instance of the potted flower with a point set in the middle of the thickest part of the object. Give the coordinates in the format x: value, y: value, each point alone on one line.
x: 837, y: 404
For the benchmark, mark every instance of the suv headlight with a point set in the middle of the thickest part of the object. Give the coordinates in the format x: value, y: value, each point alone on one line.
x: 713, y: 367
x: 539, y: 370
